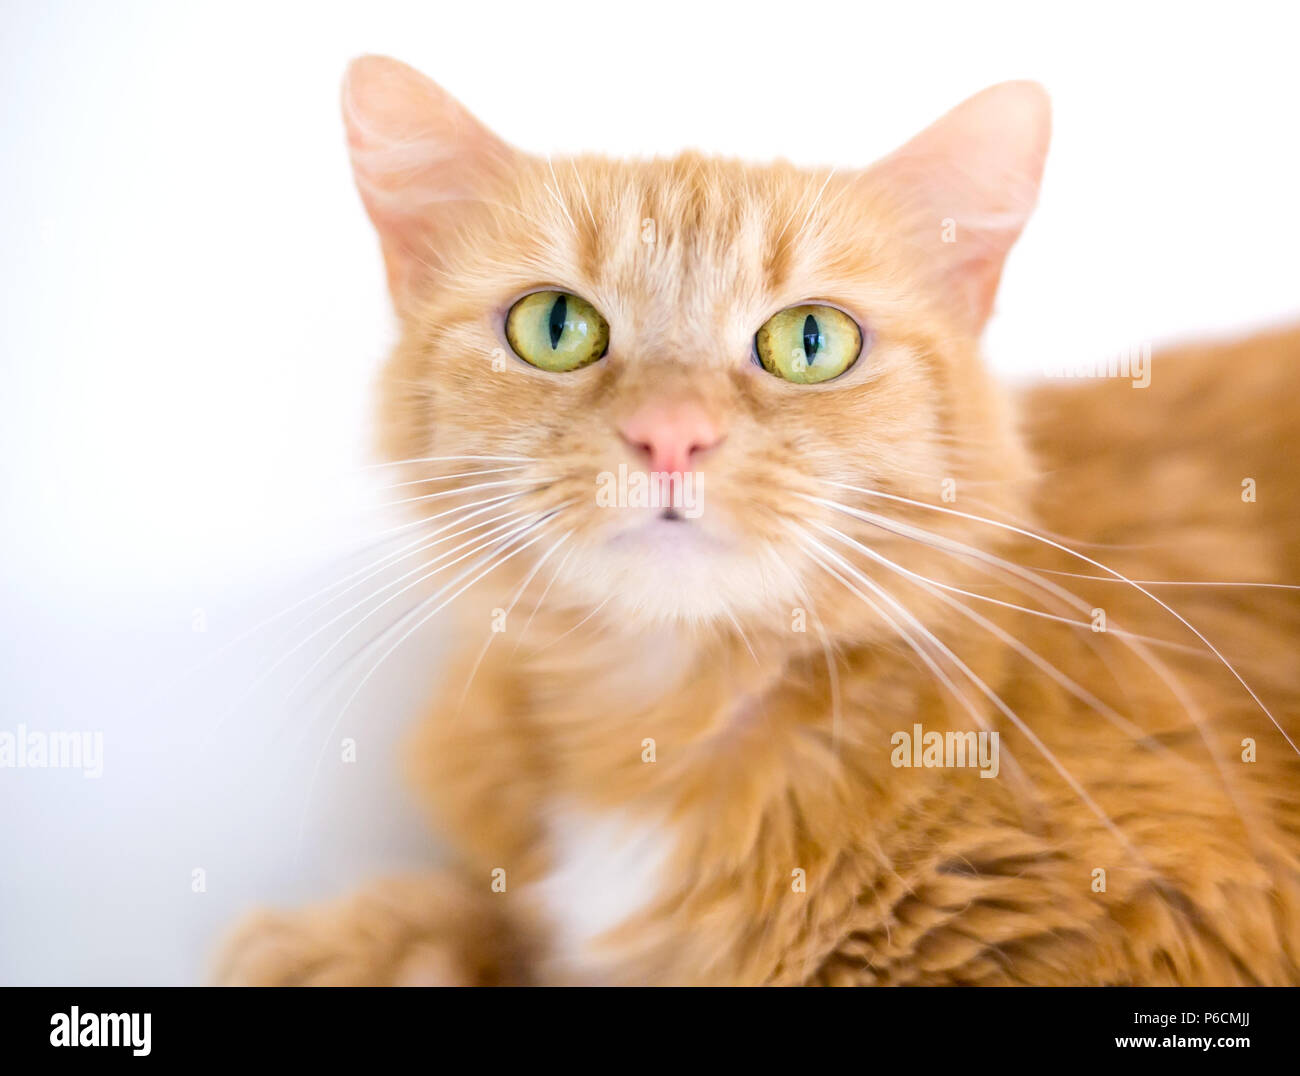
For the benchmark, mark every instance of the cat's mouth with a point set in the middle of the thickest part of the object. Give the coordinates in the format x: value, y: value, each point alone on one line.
x: 670, y: 528
x: 668, y: 564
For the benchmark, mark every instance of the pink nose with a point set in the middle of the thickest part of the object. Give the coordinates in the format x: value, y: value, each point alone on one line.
x: 669, y: 435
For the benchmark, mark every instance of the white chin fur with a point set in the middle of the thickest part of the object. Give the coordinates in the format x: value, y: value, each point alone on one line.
x: 672, y: 575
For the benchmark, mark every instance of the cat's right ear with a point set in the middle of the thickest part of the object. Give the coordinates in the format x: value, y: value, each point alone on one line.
x: 416, y: 153
x: 970, y: 181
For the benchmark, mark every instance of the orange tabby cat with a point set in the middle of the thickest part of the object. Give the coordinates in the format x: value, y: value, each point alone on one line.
x: 703, y: 750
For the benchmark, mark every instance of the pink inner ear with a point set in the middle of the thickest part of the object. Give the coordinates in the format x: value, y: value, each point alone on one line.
x: 415, y: 152
x: 977, y: 168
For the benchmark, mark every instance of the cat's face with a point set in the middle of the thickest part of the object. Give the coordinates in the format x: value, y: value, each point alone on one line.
x: 606, y: 322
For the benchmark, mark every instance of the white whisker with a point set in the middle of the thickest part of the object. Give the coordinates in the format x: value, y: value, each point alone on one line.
x: 1173, y: 582
x: 477, y: 544
x: 1134, y: 641
x: 460, y: 491
x: 271, y: 669
x: 458, y: 474
x: 508, y: 611
x: 501, y: 558
x: 1081, y: 693
x: 559, y: 568
x: 994, y: 698
x: 950, y: 545
x: 566, y: 634
x: 1102, y: 567
x: 440, y: 459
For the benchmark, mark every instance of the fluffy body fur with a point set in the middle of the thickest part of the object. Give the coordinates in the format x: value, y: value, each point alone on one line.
x: 677, y: 783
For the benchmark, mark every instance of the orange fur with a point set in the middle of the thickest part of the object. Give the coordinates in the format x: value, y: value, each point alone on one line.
x: 771, y: 744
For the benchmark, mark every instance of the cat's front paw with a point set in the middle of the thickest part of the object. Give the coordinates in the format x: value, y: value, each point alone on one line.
x: 283, y: 949
x: 407, y: 932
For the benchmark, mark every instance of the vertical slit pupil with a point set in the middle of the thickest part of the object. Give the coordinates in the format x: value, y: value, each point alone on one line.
x: 559, y: 311
x: 812, y: 337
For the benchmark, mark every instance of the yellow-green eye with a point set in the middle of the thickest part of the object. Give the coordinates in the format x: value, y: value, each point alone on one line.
x: 808, y: 344
x: 556, y: 331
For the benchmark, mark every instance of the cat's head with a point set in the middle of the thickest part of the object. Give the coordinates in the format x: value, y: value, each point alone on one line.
x: 772, y: 333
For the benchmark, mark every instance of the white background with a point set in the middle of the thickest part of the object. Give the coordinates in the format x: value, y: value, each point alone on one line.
x: 192, y: 311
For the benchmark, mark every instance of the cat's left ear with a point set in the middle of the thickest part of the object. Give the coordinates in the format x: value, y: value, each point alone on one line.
x: 418, y: 157
x: 969, y: 183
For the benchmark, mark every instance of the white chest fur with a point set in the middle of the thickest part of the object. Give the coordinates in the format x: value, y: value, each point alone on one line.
x: 607, y: 866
